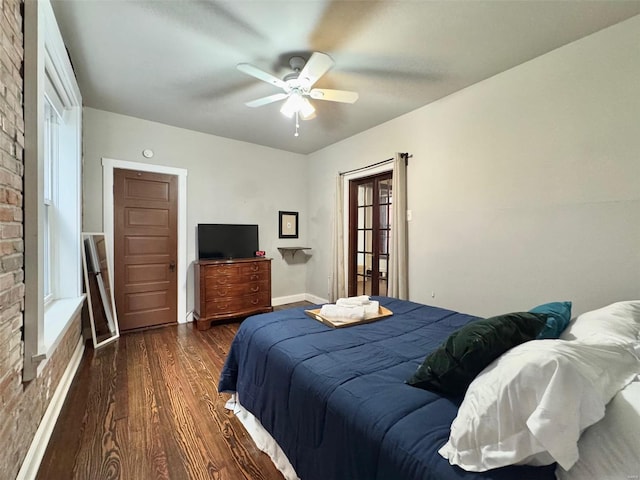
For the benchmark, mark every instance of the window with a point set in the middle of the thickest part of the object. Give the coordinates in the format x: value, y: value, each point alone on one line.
x: 52, y: 188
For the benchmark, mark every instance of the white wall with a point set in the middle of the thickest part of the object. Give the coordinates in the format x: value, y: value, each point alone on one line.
x: 228, y: 182
x: 524, y: 188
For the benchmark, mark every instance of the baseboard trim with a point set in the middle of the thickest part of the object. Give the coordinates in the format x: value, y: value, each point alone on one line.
x: 36, y: 451
x: 299, y: 297
x: 314, y: 299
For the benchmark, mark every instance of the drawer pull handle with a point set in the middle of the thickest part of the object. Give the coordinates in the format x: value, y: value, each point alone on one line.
x: 255, y: 288
x: 255, y: 301
x: 223, y: 307
x: 223, y: 292
x: 222, y: 281
x: 254, y: 277
x: 255, y: 267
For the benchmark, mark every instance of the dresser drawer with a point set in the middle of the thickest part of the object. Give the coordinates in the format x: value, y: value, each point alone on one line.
x: 254, y: 267
x: 221, y: 270
x: 228, y: 305
x: 248, y: 275
x: 235, y: 289
x: 216, y: 281
x: 261, y: 276
x: 223, y: 305
x: 262, y: 299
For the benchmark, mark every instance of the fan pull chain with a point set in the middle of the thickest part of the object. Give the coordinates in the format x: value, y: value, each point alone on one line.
x: 297, y: 125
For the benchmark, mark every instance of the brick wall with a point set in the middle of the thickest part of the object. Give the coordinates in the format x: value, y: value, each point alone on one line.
x: 21, y: 405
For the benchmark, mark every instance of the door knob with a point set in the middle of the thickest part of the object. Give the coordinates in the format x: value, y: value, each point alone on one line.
x: 172, y: 266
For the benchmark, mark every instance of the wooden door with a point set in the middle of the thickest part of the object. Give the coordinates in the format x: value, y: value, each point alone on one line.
x: 370, y: 210
x: 145, y: 248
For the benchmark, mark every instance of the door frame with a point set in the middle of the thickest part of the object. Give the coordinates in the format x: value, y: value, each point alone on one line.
x: 108, y: 164
x: 346, y: 178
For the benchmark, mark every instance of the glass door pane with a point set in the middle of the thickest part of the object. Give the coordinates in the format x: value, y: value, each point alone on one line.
x: 370, y: 202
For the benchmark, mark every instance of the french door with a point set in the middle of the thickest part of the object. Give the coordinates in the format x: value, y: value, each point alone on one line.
x: 370, y: 210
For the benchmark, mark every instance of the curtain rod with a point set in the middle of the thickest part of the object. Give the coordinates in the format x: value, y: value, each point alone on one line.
x: 405, y: 155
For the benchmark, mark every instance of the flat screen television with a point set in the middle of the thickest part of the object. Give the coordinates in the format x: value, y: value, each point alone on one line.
x: 226, y: 241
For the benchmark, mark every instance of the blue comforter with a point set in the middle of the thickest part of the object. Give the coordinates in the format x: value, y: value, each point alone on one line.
x: 335, y: 399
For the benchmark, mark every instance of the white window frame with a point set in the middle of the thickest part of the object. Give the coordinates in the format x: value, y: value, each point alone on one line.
x: 49, y: 75
x: 51, y: 120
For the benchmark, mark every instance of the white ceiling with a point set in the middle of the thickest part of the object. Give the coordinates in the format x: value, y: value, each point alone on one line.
x: 174, y: 62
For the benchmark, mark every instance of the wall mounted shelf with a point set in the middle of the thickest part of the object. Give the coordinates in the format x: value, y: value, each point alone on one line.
x: 292, y: 250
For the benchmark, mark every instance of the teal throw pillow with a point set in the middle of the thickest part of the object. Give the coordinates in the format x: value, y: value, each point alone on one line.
x: 558, y: 317
x: 454, y: 364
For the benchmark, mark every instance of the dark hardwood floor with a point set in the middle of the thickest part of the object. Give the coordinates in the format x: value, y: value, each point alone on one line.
x: 146, y: 407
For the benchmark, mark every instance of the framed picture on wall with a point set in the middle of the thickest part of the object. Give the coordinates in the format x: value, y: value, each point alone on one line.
x: 288, y: 224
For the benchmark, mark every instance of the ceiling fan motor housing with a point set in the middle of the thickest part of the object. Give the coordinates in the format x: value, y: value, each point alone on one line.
x: 297, y: 63
x: 292, y: 79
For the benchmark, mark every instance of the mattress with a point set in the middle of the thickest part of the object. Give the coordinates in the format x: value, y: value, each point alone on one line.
x: 336, y: 400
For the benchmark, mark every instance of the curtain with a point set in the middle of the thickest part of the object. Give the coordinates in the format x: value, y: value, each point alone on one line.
x: 338, y: 288
x: 398, y: 286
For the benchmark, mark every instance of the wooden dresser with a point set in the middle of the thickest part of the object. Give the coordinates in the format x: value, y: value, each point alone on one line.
x: 227, y: 289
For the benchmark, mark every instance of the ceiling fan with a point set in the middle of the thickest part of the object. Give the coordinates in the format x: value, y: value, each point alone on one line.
x: 298, y: 85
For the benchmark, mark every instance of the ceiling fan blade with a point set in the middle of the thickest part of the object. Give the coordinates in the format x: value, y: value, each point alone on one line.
x: 266, y: 100
x: 260, y: 74
x: 342, y: 96
x: 318, y: 65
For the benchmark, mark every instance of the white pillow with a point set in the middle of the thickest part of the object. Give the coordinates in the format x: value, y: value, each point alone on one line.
x: 610, y: 449
x: 532, y: 403
x: 618, y: 322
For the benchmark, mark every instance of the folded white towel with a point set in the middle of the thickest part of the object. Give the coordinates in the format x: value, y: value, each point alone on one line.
x: 353, y: 301
x: 336, y: 311
x: 371, y: 309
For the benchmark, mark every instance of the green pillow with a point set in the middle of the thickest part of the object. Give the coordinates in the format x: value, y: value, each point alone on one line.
x: 454, y: 364
x: 558, y: 317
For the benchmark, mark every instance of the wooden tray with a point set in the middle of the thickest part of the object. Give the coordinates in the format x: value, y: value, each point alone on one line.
x: 337, y: 323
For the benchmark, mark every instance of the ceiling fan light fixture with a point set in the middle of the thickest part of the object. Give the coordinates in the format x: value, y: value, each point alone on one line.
x: 292, y: 105
x: 306, y: 109
x: 297, y: 103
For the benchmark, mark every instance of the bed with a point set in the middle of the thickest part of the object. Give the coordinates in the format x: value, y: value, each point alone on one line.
x: 336, y: 401
x: 335, y: 404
